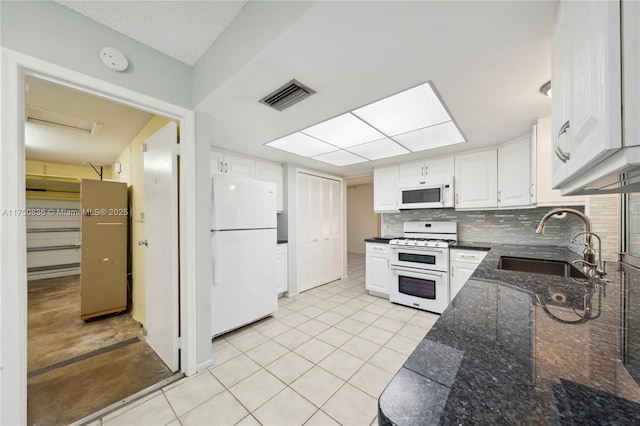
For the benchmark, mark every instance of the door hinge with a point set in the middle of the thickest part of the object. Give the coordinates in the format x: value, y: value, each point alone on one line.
x: 143, y: 147
x: 176, y: 149
x: 179, y: 342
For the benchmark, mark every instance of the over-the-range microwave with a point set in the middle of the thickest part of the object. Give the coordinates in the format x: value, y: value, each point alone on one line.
x: 435, y: 192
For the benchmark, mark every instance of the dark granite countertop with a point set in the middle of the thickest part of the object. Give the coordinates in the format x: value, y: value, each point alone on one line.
x: 282, y: 241
x: 380, y: 240
x: 497, y: 357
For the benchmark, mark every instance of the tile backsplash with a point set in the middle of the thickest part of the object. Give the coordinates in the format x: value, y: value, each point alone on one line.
x: 502, y: 226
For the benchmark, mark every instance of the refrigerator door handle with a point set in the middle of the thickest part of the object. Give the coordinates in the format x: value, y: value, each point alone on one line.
x: 216, y: 269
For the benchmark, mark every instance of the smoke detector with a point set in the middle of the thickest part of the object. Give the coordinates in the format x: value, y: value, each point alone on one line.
x: 114, y: 59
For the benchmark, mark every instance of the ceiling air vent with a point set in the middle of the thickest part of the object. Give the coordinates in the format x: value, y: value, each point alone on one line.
x: 288, y: 95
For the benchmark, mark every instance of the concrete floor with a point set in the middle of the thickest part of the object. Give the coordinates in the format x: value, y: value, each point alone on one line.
x: 74, y: 367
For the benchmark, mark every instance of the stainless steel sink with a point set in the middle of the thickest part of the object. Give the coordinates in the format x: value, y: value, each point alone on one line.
x: 540, y: 266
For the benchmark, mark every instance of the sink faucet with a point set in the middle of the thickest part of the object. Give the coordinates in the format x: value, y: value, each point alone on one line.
x: 589, y: 254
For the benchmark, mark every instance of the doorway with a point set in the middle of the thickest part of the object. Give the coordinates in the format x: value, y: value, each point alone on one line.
x: 86, y: 346
x: 362, y: 221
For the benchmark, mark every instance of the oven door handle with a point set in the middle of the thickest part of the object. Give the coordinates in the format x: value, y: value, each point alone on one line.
x: 416, y: 271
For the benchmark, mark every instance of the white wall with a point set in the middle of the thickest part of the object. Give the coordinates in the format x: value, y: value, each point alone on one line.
x: 233, y: 49
x: 362, y: 222
x: 55, y: 38
x: 56, y: 34
x: 204, y: 262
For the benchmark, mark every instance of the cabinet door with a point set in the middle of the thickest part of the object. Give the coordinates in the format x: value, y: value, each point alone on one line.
x: 514, y: 173
x: 439, y: 167
x: 377, y: 271
x: 560, y: 101
x: 476, y: 180
x: 595, y: 125
x: 459, y: 274
x: 586, y: 86
x: 411, y: 174
x: 272, y: 173
x: 281, y: 260
x: 239, y: 166
x: 545, y: 194
x: 385, y: 189
x: 216, y: 162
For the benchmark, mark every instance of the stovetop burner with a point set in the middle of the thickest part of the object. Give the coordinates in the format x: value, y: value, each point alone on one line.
x: 427, y: 234
x: 422, y: 242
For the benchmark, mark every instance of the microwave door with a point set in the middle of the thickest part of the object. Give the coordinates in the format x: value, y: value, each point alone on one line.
x: 422, y: 197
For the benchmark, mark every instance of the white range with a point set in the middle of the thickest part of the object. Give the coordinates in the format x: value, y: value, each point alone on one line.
x: 419, y: 264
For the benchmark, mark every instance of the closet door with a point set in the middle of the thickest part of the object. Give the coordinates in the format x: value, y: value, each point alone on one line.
x: 336, y: 231
x: 315, y: 229
x: 319, y: 231
x: 326, y: 243
x: 305, y: 262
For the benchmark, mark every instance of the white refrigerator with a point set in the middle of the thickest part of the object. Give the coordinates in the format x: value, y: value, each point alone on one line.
x: 244, y: 243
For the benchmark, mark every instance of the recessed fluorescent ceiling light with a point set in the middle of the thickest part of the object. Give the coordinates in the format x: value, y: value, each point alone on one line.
x: 410, y: 121
x: 431, y: 137
x: 344, y: 131
x: 340, y: 158
x: 301, y: 144
x: 410, y: 110
x: 383, y: 148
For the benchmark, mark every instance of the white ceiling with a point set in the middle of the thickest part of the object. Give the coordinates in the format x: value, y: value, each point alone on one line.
x: 486, y: 59
x: 59, y: 104
x: 183, y: 30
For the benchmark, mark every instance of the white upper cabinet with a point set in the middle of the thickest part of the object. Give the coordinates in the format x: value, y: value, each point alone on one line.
x: 417, y: 173
x: 385, y: 189
x: 515, y: 184
x: 545, y: 194
x: 586, y: 85
x: 231, y: 165
x: 476, y: 180
x: 272, y: 173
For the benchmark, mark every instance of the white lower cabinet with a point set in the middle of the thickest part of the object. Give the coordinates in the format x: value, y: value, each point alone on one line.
x: 377, y: 269
x: 461, y: 266
x: 281, y: 269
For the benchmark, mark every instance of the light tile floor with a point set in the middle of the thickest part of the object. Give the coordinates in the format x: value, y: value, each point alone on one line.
x: 322, y: 359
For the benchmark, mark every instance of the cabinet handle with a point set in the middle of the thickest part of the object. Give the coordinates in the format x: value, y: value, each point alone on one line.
x: 499, y: 197
x: 221, y: 167
x: 226, y: 167
x: 426, y: 170
x: 456, y: 199
x: 467, y: 256
x: 563, y: 156
x: 387, y: 262
x: 531, y: 190
x: 422, y: 171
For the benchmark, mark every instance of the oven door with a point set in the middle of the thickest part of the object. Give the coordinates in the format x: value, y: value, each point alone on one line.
x: 422, y: 289
x: 422, y: 258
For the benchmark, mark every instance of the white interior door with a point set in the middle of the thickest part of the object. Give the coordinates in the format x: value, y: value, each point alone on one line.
x: 161, y: 237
